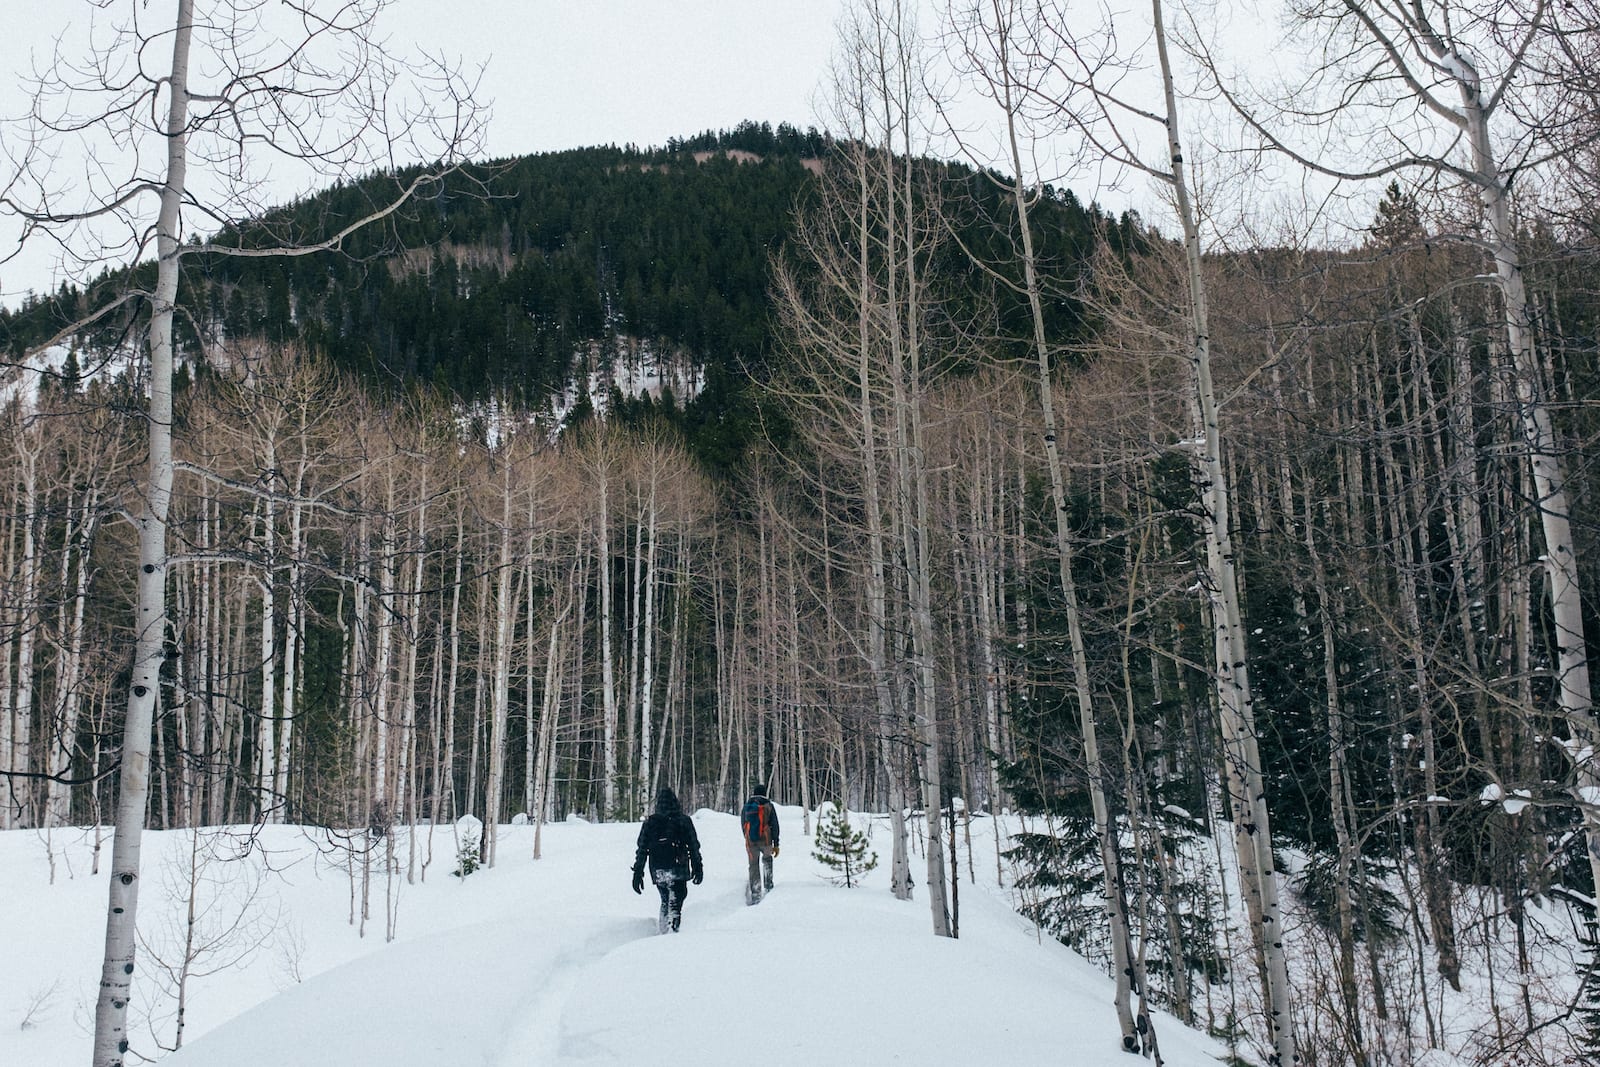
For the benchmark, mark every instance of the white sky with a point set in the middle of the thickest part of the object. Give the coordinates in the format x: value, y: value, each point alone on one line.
x: 560, y: 73
x: 566, y: 73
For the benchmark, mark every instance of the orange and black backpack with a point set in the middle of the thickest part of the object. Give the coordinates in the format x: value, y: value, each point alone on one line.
x: 754, y: 820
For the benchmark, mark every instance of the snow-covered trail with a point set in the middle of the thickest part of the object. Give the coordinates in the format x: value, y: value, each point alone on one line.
x: 557, y: 962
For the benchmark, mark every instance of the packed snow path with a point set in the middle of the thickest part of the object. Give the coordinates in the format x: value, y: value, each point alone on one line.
x: 556, y: 961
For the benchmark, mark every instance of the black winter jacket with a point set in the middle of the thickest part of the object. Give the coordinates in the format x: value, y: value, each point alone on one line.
x: 668, y: 841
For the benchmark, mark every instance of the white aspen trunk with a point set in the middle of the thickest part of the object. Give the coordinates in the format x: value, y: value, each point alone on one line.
x: 903, y: 310
x: 480, y: 676
x: 675, y: 655
x: 70, y: 677
x: 984, y: 580
x: 794, y: 682
x: 294, y: 640
x: 1106, y: 832
x: 724, y: 656
x: 925, y: 650
x: 435, y: 780
x: 63, y: 643
x: 608, y: 670
x: 530, y: 751
x: 580, y: 635
x: 505, y: 611
x: 16, y: 748
x: 1545, y: 463
x: 1436, y: 885
x: 150, y: 624
x: 411, y: 620
x: 383, y: 630
x: 647, y: 679
x: 267, y: 806
x: 738, y: 674
x: 1235, y: 703
x: 549, y: 712
x: 202, y: 729
x: 358, y: 697
x: 451, y: 687
x: 766, y: 668
x: 916, y: 531
x: 1136, y: 802
x: 236, y: 670
x: 632, y: 754
x: 1465, y: 482
x: 877, y: 579
x: 9, y: 625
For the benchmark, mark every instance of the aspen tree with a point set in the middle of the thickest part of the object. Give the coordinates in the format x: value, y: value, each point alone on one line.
x: 600, y: 456
x: 989, y: 53
x: 127, y: 95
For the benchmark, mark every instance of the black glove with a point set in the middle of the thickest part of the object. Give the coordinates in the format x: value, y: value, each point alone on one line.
x: 699, y: 875
x: 638, y: 881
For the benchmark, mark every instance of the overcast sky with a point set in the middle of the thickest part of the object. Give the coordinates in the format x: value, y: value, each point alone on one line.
x: 569, y: 73
x: 565, y: 73
x: 560, y: 73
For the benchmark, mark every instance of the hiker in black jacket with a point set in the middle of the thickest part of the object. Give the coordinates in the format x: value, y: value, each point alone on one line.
x: 668, y: 840
x: 759, y: 822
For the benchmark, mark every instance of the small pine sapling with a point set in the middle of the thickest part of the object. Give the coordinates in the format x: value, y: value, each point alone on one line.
x: 469, y: 837
x: 842, y: 848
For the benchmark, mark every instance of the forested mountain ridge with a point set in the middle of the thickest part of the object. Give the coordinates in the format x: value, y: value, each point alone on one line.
x: 515, y: 276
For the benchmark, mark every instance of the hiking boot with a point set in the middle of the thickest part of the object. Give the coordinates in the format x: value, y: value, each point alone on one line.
x: 677, y: 918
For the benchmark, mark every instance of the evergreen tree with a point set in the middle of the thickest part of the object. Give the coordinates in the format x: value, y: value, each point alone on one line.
x: 1587, y: 1035
x: 842, y: 848
x: 469, y: 844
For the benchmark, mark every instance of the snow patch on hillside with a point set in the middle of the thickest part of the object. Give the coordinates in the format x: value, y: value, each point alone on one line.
x: 632, y: 367
x: 57, y: 365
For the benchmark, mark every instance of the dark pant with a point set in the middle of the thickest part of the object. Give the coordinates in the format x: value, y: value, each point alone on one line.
x: 760, y: 853
x: 673, y: 889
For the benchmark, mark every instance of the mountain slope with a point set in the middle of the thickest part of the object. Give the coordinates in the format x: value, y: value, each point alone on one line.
x: 520, y: 274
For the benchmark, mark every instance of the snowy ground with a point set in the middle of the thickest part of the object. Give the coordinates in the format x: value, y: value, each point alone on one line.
x: 547, y: 961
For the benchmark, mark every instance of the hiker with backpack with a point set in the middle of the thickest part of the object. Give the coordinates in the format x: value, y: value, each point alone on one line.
x: 669, y: 842
x: 759, y: 821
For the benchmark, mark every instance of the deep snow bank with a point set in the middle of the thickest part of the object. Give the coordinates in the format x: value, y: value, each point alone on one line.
x: 556, y: 961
